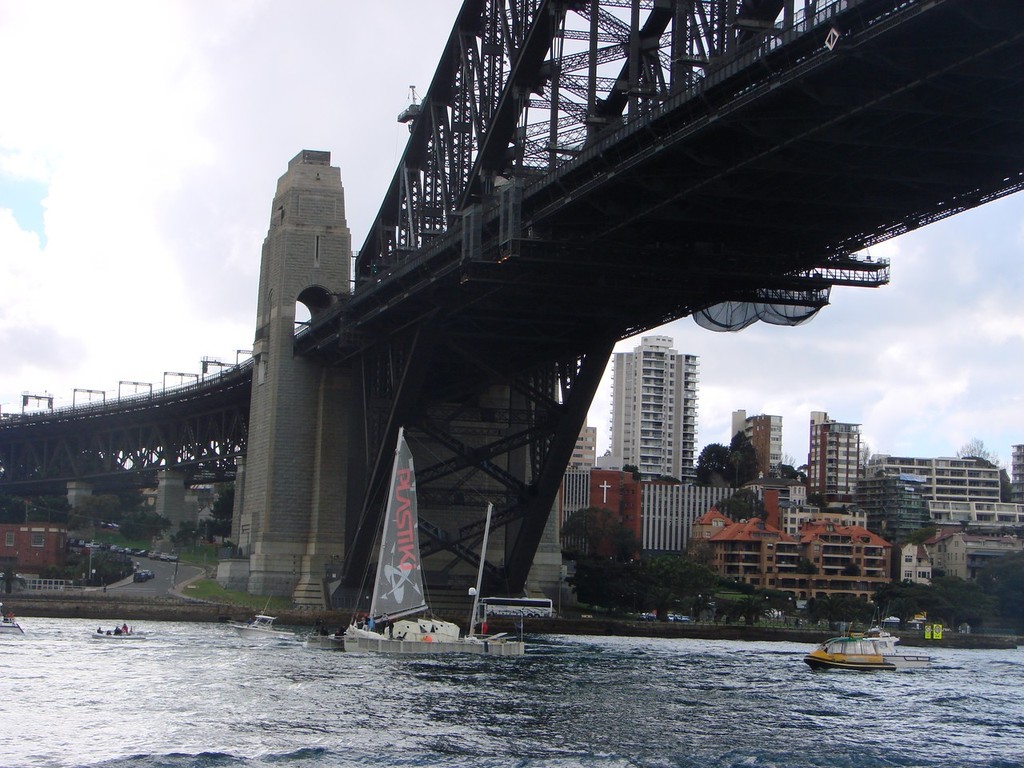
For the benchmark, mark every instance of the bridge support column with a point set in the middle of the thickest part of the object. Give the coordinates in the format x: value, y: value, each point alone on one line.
x: 292, y: 499
x: 170, y: 499
x: 78, y: 490
x: 546, y: 572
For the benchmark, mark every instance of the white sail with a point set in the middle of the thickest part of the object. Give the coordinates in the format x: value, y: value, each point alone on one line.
x: 398, y: 588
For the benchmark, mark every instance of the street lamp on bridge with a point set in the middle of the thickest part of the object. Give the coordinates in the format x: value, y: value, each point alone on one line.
x: 90, y: 392
x: 136, y: 385
x: 181, y: 377
x: 208, y: 361
x: 43, y: 398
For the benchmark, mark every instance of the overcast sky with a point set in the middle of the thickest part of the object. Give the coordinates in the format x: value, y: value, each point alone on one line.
x: 140, y: 145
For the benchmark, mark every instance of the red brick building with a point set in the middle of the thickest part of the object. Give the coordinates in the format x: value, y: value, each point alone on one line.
x: 619, y: 493
x: 33, y: 547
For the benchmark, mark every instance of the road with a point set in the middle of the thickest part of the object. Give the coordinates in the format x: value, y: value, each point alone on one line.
x: 166, y: 577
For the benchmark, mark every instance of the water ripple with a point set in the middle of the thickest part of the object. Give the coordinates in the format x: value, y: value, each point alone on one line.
x: 197, y: 696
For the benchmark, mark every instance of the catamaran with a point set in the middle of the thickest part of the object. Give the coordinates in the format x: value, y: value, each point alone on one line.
x: 398, y: 587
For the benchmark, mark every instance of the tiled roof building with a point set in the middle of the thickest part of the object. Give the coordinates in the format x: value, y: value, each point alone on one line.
x: 847, y: 559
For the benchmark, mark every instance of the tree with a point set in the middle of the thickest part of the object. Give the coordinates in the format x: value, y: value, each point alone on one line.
x: 596, y: 531
x: 921, y: 535
x: 222, y: 512
x: 806, y: 566
x: 957, y: 600
x: 187, y: 534
x: 742, y: 505
x: 751, y: 608
x: 48, y: 509
x: 143, y: 525
x: 10, y: 578
x: 91, y: 511
x: 840, y: 607
x: 1003, y: 579
x: 608, y: 583
x: 713, y: 465
x: 742, y: 459
x: 975, y: 449
x: 673, y: 581
x: 789, y: 472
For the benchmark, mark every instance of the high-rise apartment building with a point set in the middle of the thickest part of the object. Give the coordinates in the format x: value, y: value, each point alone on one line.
x: 584, y: 455
x: 833, y: 461
x: 765, y: 434
x: 896, y: 503
x: 944, y: 479
x: 654, y: 409
x: 1017, y: 475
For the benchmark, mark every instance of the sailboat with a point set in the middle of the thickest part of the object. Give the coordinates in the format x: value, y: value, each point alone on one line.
x: 395, y: 624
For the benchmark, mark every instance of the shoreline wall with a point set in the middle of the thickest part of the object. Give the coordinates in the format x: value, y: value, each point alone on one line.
x: 100, y: 606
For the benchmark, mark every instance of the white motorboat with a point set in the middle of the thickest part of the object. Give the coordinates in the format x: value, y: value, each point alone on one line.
x: 398, y: 587
x: 8, y: 625
x: 872, y: 650
x: 261, y: 627
x: 117, y: 634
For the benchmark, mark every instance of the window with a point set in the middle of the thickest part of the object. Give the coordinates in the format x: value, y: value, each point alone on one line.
x: 9, y: 539
x: 38, y: 539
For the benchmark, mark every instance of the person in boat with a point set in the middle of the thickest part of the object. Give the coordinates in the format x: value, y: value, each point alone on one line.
x: 99, y: 630
x: 124, y: 629
x: 117, y: 631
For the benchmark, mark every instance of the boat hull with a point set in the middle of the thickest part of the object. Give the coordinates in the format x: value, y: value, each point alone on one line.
x: 326, y: 642
x: 863, y: 663
x: 11, y: 628
x: 360, y: 640
x: 118, y: 638
x: 259, y: 633
x: 873, y: 650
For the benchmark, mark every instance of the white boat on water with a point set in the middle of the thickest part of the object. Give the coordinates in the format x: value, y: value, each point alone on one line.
x: 872, y: 650
x: 123, y: 633
x: 398, y: 587
x: 322, y: 638
x: 333, y: 642
x: 261, y: 627
x: 8, y: 625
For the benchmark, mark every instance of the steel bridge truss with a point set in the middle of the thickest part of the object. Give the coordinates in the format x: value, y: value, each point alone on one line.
x: 524, y: 86
x: 509, y: 448
x: 198, y: 430
x: 580, y: 171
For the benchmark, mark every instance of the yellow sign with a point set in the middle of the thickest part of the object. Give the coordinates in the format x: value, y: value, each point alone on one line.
x: 937, y: 632
x: 927, y: 631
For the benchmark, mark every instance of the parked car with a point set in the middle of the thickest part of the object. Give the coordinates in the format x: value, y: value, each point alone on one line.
x: 143, y: 576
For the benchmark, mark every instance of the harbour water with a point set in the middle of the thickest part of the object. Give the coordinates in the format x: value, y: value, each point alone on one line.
x: 199, y: 696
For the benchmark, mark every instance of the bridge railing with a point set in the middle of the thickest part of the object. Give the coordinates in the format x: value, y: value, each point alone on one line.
x: 129, y: 402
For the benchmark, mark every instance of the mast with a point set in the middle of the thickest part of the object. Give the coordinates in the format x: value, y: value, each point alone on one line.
x: 387, y: 510
x: 480, y: 571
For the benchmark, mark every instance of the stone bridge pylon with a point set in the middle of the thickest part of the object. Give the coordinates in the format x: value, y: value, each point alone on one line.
x: 291, y: 485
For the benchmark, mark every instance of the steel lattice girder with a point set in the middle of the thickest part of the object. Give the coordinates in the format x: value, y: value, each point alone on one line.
x: 199, y: 429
